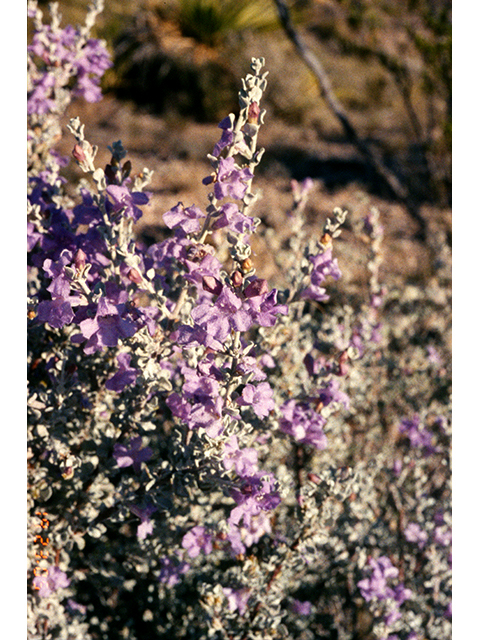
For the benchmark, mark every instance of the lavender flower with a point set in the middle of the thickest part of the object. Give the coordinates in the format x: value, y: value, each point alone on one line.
x: 414, y: 533
x: 48, y: 584
x: 196, y: 541
x: 126, y: 375
x: 104, y: 326
x: 186, y: 219
x: 257, y: 493
x: 125, y: 201
x: 304, y: 424
x: 301, y: 608
x: 63, y: 54
x: 145, y: 528
x: 244, y: 460
x: 324, y: 265
x: 171, y: 571
x: 259, y: 397
x: 418, y: 435
x: 376, y: 584
x: 133, y: 454
x: 230, y: 180
x: 237, y: 599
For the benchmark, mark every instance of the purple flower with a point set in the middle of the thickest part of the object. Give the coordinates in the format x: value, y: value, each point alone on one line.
x: 203, y: 392
x: 133, y: 454
x: 48, y: 584
x: 113, y: 320
x: 58, y: 311
x: 197, y: 540
x: 171, y: 570
x: 323, y: 266
x: 244, y: 460
x: 258, y: 526
x: 257, y: 493
x: 145, y: 528
x: 230, y: 216
x: 418, y: 435
x: 231, y: 181
x: 223, y: 316
x: 207, y: 415
x: 63, y: 55
x: 376, y: 585
x: 304, y: 424
x: 88, y: 212
x: 263, y: 308
x: 259, y: 397
x: 401, y: 593
x: 227, y: 136
x: 125, y: 375
x: 90, y: 67
x: 202, y: 266
x: 248, y: 365
x: 237, y: 599
x: 73, y: 605
x: 122, y: 199
x: 302, y: 608
x: 414, y: 533
x: 234, y: 538
x: 188, y: 220
x: 149, y: 317
x: 39, y: 100
x: 332, y: 393
x: 200, y: 404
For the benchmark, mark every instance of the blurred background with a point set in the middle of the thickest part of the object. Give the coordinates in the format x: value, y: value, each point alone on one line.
x: 176, y: 74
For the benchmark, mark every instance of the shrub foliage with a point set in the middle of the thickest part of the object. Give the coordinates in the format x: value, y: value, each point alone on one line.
x: 210, y: 456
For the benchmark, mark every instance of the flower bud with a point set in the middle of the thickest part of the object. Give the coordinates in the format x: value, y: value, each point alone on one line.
x: 212, y: 285
x: 257, y: 287
x: 134, y: 276
x: 253, y: 113
x: 313, y: 478
x: 326, y: 240
x: 343, y: 360
x: 237, y: 279
x: 78, y: 153
x: 110, y: 174
x: 79, y: 259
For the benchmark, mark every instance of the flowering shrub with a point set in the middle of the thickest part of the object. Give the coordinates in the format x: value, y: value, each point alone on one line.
x: 208, y: 455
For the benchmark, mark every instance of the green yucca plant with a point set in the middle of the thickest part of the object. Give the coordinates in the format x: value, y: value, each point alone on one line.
x: 209, y: 21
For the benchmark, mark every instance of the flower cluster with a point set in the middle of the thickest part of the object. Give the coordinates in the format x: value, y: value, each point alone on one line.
x: 377, y: 585
x: 211, y: 448
x: 63, y: 57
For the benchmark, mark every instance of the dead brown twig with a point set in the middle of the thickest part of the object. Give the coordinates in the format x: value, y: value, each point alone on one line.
x: 373, y: 158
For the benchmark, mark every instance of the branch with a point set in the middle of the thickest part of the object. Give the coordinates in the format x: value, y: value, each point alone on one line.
x: 371, y: 155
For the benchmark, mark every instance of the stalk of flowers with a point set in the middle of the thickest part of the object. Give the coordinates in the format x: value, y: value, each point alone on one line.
x: 97, y: 265
x: 368, y: 329
x: 385, y: 598
x: 305, y: 409
x: 57, y: 57
x: 222, y: 306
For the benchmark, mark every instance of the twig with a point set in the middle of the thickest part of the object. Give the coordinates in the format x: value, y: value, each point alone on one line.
x: 372, y: 157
